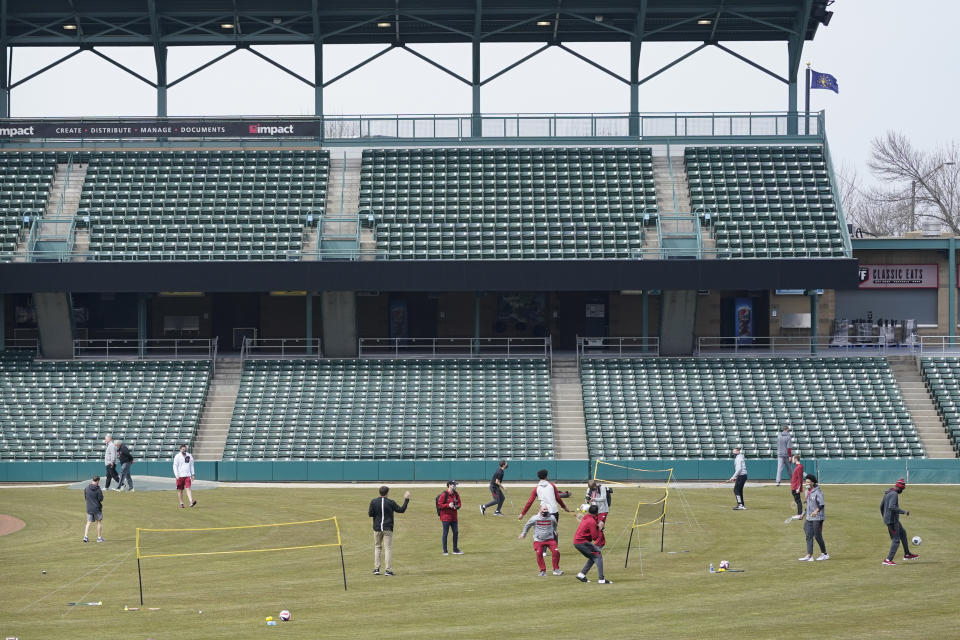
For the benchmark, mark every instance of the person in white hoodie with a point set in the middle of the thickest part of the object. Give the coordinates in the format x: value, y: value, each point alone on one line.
x: 183, y: 472
x: 739, y: 477
x: 548, y: 494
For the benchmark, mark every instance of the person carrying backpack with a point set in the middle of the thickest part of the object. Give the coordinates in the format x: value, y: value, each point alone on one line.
x: 448, y: 503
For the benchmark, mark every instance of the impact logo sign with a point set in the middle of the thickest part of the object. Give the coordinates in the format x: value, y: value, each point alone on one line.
x: 17, y: 131
x: 271, y: 130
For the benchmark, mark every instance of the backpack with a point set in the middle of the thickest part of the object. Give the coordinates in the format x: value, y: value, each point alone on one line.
x: 436, y: 501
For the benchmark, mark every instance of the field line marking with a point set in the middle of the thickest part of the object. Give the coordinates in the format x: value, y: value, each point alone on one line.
x: 64, y: 586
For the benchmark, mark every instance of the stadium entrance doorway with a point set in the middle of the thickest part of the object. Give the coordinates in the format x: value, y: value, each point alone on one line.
x: 234, y: 316
x: 579, y: 314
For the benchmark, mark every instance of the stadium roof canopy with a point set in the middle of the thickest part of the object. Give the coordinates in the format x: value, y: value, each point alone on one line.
x: 242, y: 24
x: 205, y: 22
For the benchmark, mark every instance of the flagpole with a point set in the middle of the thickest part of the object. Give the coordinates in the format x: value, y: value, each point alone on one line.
x: 806, y: 120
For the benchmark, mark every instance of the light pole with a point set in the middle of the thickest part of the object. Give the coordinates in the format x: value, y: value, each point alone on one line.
x: 913, y: 193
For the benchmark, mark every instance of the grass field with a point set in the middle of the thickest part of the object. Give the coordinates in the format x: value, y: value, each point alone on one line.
x: 493, y: 590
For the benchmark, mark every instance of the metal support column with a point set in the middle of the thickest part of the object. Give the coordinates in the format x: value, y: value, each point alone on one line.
x: 4, y: 89
x: 952, y: 287
x: 318, y: 80
x: 160, y: 53
x: 634, y: 87
x: 3, y: 322
x: 793, y: 53
x: 476, y: 322
x: 813, y: 320
x: 476, y: 122
x: 308, y: 302
x: 141, y: 322
x: 644, y: 320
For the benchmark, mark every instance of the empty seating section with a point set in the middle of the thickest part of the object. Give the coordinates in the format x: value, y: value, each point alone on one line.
x: 766, y: 201
x: 202, y: 205
x: 703, y: 407
x: 392, y: 409
x: 55, y: 410
x: 24, y: 188
x: 495, y: 203
x: 942, y: 376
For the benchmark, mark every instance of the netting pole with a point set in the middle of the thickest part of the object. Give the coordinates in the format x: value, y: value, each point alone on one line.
x: 344, y: 568
x: 626, y: 560
x: 140, y: 580
x: 663, y: 525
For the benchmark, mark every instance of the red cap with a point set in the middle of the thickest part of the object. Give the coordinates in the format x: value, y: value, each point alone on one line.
x: 901, y: 484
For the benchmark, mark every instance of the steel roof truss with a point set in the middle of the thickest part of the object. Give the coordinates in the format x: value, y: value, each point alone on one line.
x: 203, y: 66
x: 680, y: 23
x: 280, y: 66
x: 671, y: 64
x: 751, y: 63
x: 593, y: 64
x: 765, y: 23
x: 436, y: 64
x: 125, y: 68
x: 46, y: 68
x: 517, y: 63
x: 364, y: 63
x: 593, y: 21
x: 436, y: 24
x: 514, y: 25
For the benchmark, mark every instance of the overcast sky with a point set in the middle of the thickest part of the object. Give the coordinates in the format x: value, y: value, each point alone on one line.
x: 896, y: 64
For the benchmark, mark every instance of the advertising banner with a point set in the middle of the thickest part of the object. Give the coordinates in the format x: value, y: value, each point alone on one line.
x: 25, y: 129
x: 899, y: 276
x: 743, y: 320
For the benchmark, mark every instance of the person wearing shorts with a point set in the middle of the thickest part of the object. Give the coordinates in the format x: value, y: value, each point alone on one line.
x: 183, y: 472
x: 93, y: 496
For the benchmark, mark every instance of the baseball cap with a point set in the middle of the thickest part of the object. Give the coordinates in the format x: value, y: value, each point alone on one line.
x: 451, y: 482
x: 901, y: 484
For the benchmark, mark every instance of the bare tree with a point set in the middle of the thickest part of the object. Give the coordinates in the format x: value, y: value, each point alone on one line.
x: 868, y: 210
x: 917, y: 186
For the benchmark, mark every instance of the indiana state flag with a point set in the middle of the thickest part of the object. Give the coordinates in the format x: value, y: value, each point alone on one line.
x: 823, y: 81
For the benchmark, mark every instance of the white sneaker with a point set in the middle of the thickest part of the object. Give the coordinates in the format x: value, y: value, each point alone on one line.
x: 823, y: 556
x: 806, y: 559
x: 797, y: 517
x: 558, y: 572
x: 582, y: 578
x: 541, y: 574
x: 604, y: 581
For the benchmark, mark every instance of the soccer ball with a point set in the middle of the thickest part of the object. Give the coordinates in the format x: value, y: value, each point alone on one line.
x: 724, y: 565
x: 285, y: 615
x: 582, y: 510
x: 917, y: 540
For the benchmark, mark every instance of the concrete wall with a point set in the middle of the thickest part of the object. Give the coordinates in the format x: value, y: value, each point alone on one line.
x: 339, y: 313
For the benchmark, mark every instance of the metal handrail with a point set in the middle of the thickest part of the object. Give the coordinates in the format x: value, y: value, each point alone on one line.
x: 147, y: 349
x: 790, y: 345
x: 939, y: 344
x: 616, y: 347
x: 24, y: 344
x: 455, y: 347
x: 272, y: 348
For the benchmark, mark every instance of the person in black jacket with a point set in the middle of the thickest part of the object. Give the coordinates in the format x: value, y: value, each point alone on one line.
x: 891, y: 512
x: 93, y: 496
x: 382, y: 510
x: 125, y: 458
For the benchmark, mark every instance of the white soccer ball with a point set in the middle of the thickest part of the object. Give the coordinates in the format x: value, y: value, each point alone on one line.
x: 724, y: 565
x: 285, y: 615
x: 917, y: 540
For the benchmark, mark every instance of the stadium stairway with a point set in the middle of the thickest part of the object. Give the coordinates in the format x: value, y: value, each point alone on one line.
x: 916, y: 397
x: 569, y: 432
x: 343, y: 199
x: 218, y: 409
x: 71, y: 192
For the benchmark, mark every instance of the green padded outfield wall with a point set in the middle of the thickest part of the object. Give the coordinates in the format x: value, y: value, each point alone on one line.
x: 831, y: 471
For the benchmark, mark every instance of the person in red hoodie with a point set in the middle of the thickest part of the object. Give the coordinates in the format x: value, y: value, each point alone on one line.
x: 588, y: 533
x: 796, y: 485
x: 448, y: 503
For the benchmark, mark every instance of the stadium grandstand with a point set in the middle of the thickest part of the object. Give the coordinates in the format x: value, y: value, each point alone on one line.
x: 444, y: 291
